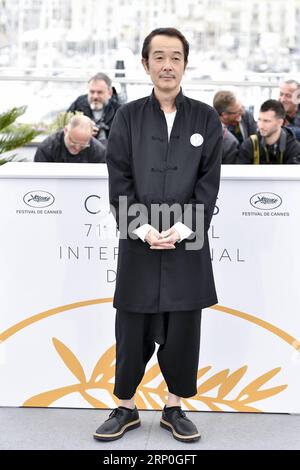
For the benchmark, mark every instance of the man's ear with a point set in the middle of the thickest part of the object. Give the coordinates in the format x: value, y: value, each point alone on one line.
x: 145, y: 65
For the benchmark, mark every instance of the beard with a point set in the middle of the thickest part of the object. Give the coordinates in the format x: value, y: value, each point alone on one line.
x: 96, y: 105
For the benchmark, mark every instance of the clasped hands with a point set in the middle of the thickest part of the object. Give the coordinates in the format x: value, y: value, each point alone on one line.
x: 164, y: 240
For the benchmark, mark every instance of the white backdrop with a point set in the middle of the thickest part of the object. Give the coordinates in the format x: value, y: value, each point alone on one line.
x: 58, y: 251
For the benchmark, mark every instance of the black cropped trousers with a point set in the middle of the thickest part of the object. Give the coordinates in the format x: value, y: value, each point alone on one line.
x: 178, y: 336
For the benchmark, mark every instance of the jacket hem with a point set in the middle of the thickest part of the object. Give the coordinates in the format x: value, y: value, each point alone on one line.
x: 204, y: 303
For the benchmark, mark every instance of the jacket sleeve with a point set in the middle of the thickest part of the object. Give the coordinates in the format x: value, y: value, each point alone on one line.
x: 252, y: 124
x: 72, y: 108
x: 208, y: 179
x: 293, y: 153
x: 42, y: 156
x: 97, y: 151
x: 230, y: 150
x: 245, y: 156
x: 121, y: 178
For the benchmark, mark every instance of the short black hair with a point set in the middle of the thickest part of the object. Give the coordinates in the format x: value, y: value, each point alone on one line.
x: 172, y: 32
x: 273, y: 105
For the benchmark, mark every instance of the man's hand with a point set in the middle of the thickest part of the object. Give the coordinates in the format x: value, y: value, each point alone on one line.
x: 162, y: 241
x: 152, y: 237
x: 95, y: 130
x: 170, y: 236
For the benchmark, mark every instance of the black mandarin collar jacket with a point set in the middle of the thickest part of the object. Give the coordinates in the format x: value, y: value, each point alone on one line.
x: 147, y: 167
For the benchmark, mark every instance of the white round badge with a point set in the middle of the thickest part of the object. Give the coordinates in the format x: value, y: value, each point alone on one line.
x: 196, y: 140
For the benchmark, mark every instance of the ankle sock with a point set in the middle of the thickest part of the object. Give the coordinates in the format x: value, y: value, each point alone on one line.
x: 125, y: 408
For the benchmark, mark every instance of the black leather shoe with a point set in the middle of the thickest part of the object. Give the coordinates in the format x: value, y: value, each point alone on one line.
x: 119, y: 421
x: 174, y: 420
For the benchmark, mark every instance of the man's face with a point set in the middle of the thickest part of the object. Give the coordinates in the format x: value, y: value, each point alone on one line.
x: 165, y: 64
x: 99, y: 94
x: 233, y: 113
x: 287, y: 97
x: 77, y: 139
x: 268, y: 123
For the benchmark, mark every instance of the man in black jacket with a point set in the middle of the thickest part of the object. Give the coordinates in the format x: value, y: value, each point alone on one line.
x: 230, y: 148
x: 272, y: 144
x: 99, y: 104
x: 233, y: 115
x: 75, y: 144
x: 289, y: 97
x: 163, y: 150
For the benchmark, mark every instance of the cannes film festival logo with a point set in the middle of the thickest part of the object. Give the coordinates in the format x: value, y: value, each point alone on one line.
x: 38, y: 199
x: 265, y: 201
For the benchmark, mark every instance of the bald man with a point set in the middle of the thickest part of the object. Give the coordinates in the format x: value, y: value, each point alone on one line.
x: 74, y: 144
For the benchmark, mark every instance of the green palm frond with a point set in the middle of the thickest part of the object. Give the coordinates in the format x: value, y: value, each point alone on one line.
x: 9, y: 117
x: 16, y: 139
x: 11, y: 158
x: 14, y: 135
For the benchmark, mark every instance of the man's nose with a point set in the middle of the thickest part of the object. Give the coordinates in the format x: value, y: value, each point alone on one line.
x: 168, y: 64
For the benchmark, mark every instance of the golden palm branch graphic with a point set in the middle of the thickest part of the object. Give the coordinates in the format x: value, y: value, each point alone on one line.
x: 220, y: 385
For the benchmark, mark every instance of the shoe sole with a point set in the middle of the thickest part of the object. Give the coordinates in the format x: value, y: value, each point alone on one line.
x: 179, y: 437
x: 118, y: 435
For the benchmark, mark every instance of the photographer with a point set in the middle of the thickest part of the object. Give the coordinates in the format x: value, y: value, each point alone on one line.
x: 74, y: 144
x: 99, y: 104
